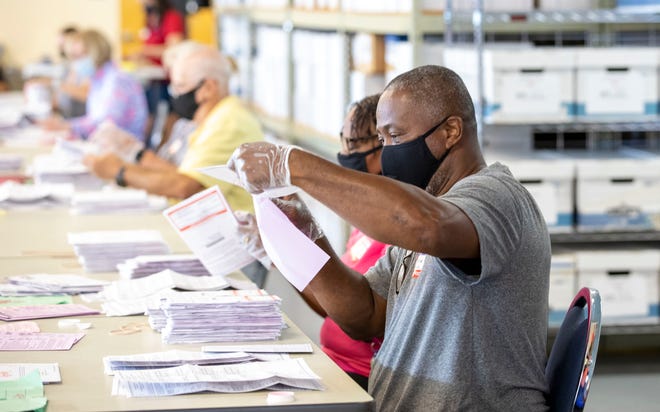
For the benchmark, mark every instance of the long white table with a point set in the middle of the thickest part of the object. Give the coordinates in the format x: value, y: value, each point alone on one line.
x: 85, y: 387
x: 43, y: 233
x: 35, y: 242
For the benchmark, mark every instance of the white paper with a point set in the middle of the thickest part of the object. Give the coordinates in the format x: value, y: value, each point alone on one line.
x: 294, y: 254
x: 207, y: 225
x: 244, y: 377
x: 36, y: 284
x: 131, y: 296
x: 50, y: 372
x: 274, y: 348
x: 171, y: 358
x: 224, y: 173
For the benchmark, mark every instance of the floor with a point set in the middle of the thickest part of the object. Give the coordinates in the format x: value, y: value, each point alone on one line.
x: 625, y: 383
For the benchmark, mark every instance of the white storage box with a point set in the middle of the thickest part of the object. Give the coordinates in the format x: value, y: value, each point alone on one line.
x: 617, y: 83
x: 550, y: 182
x: 639, y: 6
x: 627, y: 282
x: 398, y: 55
x: 523, y: 85
x: 567, y: 5
x: 617, y: 193
x: 563, y: 287
x: 363, y: 85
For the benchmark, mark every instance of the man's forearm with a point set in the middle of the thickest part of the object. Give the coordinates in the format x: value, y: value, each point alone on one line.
x: 165, y: 183
x: 150, y: 160
x: 382, y: 208
x: 346, y: 297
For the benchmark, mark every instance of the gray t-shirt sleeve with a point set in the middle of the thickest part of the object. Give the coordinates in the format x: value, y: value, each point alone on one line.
x: 490, y: 203
x: 380, y: 275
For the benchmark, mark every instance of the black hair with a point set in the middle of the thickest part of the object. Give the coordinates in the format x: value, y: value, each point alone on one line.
x: 364, y: 115
x: 163, y: 6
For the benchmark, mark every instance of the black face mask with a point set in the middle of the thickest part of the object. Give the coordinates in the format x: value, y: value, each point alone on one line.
x: 185, y: 105
x: 356, y: 161
x: 412, y: 162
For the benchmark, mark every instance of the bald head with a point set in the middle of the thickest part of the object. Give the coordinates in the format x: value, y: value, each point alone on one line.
x: 435, y: 92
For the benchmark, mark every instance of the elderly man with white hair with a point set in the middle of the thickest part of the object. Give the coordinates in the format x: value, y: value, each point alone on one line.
x: 200, y: 91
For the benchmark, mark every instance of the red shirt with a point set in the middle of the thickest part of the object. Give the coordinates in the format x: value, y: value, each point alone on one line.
x: 352, y: 355
x: 171, y: 23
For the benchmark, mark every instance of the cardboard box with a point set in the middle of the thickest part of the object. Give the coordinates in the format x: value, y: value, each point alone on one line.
x: 638, y: 6
x: 368, y: 52
x: 563, y: 287
x: 522, y: 84
x: 363, y: 85
x: 550, y: 182
x: 627, y: 282
x: 399, y: 55
x: 565, y: 5
x: 617, y: 193
x: 617, y: 84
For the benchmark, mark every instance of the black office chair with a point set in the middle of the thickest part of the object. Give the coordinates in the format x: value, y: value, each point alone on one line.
x: 573, y: 355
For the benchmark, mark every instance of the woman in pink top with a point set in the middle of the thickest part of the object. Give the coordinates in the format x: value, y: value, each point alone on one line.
x: 360, y: 150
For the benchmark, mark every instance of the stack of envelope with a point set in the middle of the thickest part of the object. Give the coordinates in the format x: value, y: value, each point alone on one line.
x: 146, y: 265
x: 102, y: 251
x: 116, y: 201
x: 219, y: 316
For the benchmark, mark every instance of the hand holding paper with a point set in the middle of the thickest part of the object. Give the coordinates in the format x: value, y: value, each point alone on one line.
x: 293, y: 253
x: 261, y: 166
x: 300, y: 216
x: 249, y: 234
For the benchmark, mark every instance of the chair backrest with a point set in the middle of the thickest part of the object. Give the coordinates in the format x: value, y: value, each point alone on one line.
x: 573, y: 356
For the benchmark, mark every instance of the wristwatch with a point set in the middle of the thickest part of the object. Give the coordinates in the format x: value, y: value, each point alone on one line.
x: 119, y: 177
x: 139, y: 155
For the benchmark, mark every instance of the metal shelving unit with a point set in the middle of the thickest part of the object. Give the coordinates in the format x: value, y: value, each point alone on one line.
x: 593, y: 26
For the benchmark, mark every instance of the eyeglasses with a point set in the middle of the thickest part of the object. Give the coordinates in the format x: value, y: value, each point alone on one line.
x: 174, y: 94
x: 403, y: 270
x: 351, y: 142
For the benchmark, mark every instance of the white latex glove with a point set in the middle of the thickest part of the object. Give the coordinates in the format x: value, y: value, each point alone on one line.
x: 261, y: 166
x: 301, y: 217
x: 111, y: 139
x: 248, y: 233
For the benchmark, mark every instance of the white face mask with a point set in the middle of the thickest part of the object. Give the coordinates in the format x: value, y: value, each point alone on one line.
x: 84, y: 67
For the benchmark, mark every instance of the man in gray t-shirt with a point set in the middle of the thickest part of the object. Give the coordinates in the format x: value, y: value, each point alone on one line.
x: 479, y: 340
x: 461, y: 297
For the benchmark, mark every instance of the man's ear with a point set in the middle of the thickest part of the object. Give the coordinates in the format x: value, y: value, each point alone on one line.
x: 454, y: 130
x: 208, y: 87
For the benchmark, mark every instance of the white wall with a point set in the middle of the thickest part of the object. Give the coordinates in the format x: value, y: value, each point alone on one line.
x: 29, y: 28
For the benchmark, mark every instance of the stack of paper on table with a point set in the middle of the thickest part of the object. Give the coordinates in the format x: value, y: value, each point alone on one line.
x: 57, y: 169
x: 50, y: 284
x: 38, y: 341
x: 130, y: 296
x: 10, y: 162
x: 172, y: 358
x: 116, y: 201
x: 10, y: 313
x: 23, y: 394
x: 14, y: 194
x: 276, y: 375
x: 102, y: 251
x: 145, y: 265
x: 35, y: 300
x: 220, y: 316
x: 49, y: 372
